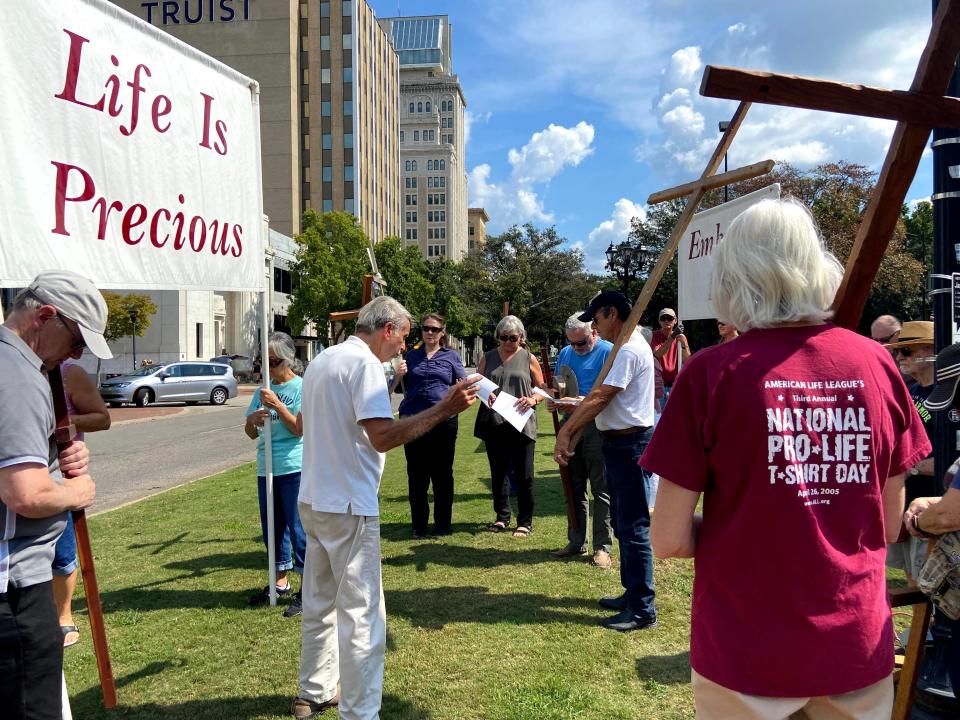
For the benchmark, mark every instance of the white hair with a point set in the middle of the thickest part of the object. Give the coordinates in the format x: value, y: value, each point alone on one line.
x: 574, y: 323
x: 283, y: 347
x: 511, y: 324
x: 773, y: 268
x: 380, y: 311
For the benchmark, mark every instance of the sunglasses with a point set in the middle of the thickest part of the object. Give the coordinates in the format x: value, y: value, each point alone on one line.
x: 888, y: 338
x: 904, y: 351
x: 430, y: 329
x: 509, y: 338
x: 78, y: 342
x: 579, y: 343
x: 275, y: 362
x: 666, y: 318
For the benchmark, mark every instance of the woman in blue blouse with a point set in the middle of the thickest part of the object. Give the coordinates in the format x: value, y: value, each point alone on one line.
x: 431, y: 369
x: 280, y: 404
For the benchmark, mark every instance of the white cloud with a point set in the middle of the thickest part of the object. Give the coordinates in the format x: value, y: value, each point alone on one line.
x: 546, y: 154
x: 470, y: 119
x: 613, y: 230
x: 549, y: 151
x: 506, y: 204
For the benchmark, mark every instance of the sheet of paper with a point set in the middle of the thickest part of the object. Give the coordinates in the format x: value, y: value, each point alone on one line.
x: 504, y: 406
x: 485, y: 386
x: 567, y: 401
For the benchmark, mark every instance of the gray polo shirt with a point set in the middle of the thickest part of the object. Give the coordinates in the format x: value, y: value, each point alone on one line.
x: 26, y: 437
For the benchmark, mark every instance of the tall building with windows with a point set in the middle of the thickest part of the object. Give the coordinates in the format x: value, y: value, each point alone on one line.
x: 477, y: 220
x: 329, y: 83
x: 432, y: 163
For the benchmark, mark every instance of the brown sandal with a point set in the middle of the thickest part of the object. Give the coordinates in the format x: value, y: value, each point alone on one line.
x: 521, y: 531
x: 498, y: 526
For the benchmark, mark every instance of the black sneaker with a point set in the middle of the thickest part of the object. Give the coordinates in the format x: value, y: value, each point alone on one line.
x: 263, y: 596
x: 626, y: 621
x: 296, y: 605
x: 614, y: 602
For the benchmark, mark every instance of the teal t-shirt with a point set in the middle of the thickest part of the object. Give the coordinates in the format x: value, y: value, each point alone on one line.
x: 287, y: 447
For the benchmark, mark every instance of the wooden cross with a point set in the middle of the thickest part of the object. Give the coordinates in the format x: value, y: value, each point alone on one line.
x: 694, y: 192
x: 917, y: 112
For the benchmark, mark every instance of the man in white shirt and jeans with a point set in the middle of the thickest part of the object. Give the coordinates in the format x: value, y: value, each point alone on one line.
x: 623, y: 409
x: 348, y: 427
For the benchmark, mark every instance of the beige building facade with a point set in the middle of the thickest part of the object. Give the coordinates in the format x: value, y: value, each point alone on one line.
x: 477, y: 220
x: 328, y: 80
x: 432, y: 160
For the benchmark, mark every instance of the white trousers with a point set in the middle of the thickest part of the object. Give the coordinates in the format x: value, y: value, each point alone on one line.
x: 715, y: 702
x: 344, y: 622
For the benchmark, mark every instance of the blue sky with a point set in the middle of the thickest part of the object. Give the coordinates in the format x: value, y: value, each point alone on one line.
x: 578, y: 110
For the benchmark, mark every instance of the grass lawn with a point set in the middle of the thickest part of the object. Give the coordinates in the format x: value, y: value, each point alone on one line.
x: 481, y: 625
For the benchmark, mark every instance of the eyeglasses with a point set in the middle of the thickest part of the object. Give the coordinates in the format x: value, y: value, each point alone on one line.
x: 888, y: 338
x: 509, y: 338
x: 903, y: 352
x: 430, y: 329
x: 666, y: 318
x: 275, y: 362
x: 579, y: 343
x: 78, y: 342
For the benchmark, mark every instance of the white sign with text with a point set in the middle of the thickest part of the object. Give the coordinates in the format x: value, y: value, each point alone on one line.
x: 695, y: 253
x: 128, y: 156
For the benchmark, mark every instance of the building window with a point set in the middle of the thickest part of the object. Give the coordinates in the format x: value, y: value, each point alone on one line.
x: 406, y: 166
x: 348, y: 205
x: 327, y: 173
x: 348, y: 140
x: 325, y: 75
x: 443, y: 181
x: 428, y: 106
x: 348, y: 173
x: 325, y: 108
x: 442, y: 165
x: 327, y: 141
x: 429, y: 164
x: 429, y: 182
x: 324, y: 9
x: 411, y: 108
x: 443, y: 233
x: 416, y: 136
x: 324, y: 42
x: 401, y: 136
x: 348, y: 7
x: 199, y: 339
x: 436, y: 250
x: 348, y: 107
x: 348, y: 74
x: 443, y: 215
x: 471, y: 230
x: 414, y: 163
x: 348, y: 42
x: 443, y: 198
x: 420, y: 107
x: 328, y: 205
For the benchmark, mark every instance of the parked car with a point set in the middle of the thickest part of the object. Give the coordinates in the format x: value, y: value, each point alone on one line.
x: 187, y: 381
x: 241, y: 364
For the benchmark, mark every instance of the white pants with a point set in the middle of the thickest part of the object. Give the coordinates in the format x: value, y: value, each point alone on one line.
x: 716, y: 702
x: 344, y: 622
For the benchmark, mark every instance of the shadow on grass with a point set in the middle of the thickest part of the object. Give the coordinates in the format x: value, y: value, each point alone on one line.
x: 434, y: 608
x: 665, y: 669
x: 433, y: 552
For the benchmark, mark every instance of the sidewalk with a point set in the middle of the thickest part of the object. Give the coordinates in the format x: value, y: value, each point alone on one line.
x: 128, y: 413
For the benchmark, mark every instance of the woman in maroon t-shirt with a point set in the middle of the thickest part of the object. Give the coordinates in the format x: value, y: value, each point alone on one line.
x: 797, y: 435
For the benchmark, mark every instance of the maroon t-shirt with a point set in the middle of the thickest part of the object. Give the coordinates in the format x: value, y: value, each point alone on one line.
x: 790, y: 434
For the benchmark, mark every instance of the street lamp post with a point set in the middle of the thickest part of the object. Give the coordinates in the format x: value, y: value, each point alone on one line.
x: 133, y: 336
x: 723, y: 125
x: 624, y: 260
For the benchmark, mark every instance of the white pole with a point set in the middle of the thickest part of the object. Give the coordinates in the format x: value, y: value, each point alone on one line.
x: 268, y: 426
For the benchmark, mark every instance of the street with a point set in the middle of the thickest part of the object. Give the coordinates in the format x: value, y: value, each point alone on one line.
x: 142, y: 457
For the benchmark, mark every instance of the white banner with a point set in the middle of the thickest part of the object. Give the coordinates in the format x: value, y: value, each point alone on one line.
x: 128, y: 156
x: 695, y: 263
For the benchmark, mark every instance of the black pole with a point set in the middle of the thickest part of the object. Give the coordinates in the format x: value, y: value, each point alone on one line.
x: 133, y: 337
x: 946, y: 261
x: 725, y: 169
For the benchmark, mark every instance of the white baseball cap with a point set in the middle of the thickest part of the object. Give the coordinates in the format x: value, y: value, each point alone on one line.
x: 77, y: 299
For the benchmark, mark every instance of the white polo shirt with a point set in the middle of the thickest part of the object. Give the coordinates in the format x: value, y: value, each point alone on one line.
x: 341, y: 469
x: 632, y: 370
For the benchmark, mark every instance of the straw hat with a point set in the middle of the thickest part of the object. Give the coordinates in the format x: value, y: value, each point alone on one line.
x: 915, y: 332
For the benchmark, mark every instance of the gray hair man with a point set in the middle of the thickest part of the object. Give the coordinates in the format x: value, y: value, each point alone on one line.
x: 584, y: 356
x: 348, y: 426
x: 56, y: 317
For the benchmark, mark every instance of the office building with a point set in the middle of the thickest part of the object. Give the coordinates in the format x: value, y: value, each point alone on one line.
x: 477, y: 220
x: 432, y: 162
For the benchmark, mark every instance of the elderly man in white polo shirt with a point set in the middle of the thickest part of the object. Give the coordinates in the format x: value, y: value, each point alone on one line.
x: 348, y: 426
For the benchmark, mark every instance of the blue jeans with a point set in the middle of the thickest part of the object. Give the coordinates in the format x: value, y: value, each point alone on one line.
x: 65, y: 552
x: 631, y: 518
x: 286, y: 520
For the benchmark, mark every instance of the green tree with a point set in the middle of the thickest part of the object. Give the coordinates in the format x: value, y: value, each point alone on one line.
x: 407, y: 275
x: 447, y: 279
x: 331, y: 260
x: 119, y: 310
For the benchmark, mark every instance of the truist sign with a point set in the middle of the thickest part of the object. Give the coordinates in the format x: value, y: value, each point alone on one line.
x: 190, y: 12
x: 128, y: 156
